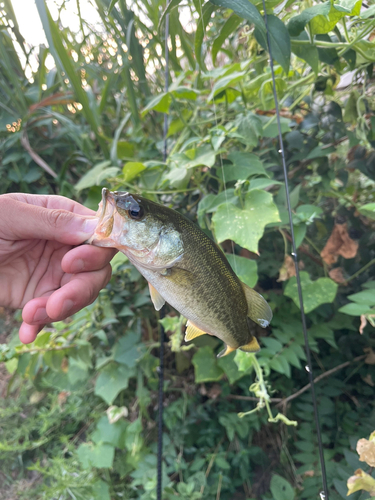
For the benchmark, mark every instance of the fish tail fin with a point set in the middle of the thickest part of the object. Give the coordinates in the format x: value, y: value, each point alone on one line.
x: 258, y: 309
x: 251, y: 346
x: 227, y: 350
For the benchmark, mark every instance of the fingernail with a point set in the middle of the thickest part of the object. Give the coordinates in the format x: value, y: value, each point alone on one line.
x: 41, y: 316
x: 67, y: 308
x: 78, y: 266
x: 89, y: 225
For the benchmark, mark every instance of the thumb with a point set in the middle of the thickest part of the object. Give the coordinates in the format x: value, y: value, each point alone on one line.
x: 21, y: 221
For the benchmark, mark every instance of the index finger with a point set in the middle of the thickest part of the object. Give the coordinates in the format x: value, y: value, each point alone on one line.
x: 51, y: 201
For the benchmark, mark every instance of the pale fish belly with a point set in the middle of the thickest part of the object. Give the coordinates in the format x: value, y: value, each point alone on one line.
x: 190, y: 305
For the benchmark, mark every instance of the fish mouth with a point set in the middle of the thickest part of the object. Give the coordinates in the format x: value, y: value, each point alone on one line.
x: 106, y: 211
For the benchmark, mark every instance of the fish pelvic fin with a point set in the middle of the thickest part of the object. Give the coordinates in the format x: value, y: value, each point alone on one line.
x: 258, y: 309
x: 227, y: 350
x: 192, y: 331
x: 252, y: 346
x: 156, y: 298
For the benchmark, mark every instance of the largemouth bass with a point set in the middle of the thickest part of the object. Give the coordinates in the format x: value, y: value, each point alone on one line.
x: 183, y: 267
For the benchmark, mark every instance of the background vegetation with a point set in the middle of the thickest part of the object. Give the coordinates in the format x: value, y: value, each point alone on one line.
x: 79, y: 405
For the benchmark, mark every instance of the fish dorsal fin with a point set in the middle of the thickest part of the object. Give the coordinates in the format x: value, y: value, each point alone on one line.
x: 156, y: 298
x: 226, y: 351
x: 192, y: 332
x: 258, y: 309
x: 252, y: 346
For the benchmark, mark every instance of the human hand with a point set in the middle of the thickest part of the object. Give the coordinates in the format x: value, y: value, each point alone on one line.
x: 41, y: 268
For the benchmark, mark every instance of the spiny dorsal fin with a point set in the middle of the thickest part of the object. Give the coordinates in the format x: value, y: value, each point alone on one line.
x: 156, y: 298
x: 192, y: 332
x: 258, y: 309
x: 252, y: 346
x: 226, y: 351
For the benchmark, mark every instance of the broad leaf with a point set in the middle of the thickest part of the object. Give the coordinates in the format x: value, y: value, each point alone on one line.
x: 245, y: 225
x: 368, y: 210
x: 246, y: 269
x: 131, y: 170
x: 112, y: 379
x: 297, y: 24
x: 315, y: 293
x: 96, y: 455
x: 280, y: 41
x: 229, y: 27
x: 91, y: 177
x: 355, y: 309
x: 307, y: 52
x: 281, y: 489
x: 206, y: 366
x: 244, y: 9
x: 325, y: 23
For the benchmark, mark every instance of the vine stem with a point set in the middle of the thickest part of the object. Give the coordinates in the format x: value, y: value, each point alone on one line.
x: 369, y: 264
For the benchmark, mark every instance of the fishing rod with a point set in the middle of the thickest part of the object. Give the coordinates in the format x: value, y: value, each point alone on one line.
x: 308, y: 367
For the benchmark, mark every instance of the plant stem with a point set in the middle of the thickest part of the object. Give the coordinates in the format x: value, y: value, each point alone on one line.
x: 369, y: 264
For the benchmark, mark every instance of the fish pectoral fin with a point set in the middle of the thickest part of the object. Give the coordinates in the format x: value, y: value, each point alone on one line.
x: 252, y: 346
x: 228, y: 349
x: 192, y: 332
x: 258, y: 309
x: 156, y: 298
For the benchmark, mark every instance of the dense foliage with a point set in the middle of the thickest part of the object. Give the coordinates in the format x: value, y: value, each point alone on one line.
x: 80, y: 403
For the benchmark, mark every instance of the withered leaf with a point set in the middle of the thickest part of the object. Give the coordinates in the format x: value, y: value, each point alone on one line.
x: 339, y: 243
x: 287, y: 270
x: 366, y: 451
x: 337, y: 274
x: 361, y: 481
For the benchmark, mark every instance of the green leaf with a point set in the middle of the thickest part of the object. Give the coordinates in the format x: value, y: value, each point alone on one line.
x: 99, y: 455
x: 244, y: 9
x: 250, y: 129
x: 297, y: 23
x: 230, y: 368
x: 112, y: 379
x: 299, y: 233
x: 243, y: 166
x: 354, y: 309
x: 159, y: 103
x: 244, y: 360
x: 307, y: 52
x: 225, y: 82
x: 131, y: 170
x: 368, y: 210
x: 281, y: 489
x: 206, y: 366
x: 229, y: 27
x: 106, y: 432
x: 315, y: 293
x: 128, y: 350
x: 246, y: 225
x: 246, y: 269
x: 322, y: 24
x: 365, y: 297
x: 205, y: 17
x: 91, y: 177
x: 280, y: 41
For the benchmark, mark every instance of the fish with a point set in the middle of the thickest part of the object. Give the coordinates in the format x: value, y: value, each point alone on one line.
x: 183, y: 267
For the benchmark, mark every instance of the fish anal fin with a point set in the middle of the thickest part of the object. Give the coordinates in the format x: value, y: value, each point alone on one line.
x: 228, y: 349
x: 192, y: 331
x: 258, y: 309
x: 156, y: 298
x: 252, y: 346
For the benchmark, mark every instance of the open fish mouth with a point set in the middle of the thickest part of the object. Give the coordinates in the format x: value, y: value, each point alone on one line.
x: 105, y: 213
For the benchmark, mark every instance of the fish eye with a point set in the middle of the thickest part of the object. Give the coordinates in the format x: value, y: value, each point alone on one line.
x: 136, y: 212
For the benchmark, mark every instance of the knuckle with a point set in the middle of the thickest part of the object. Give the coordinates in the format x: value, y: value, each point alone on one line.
x: 56, y: 217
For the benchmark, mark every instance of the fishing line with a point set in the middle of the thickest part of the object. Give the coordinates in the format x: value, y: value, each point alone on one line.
x: 162, y: 311
x: 324, y: 493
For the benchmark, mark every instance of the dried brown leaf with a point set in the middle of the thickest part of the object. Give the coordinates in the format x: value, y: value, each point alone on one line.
x: 368, y: 380
x: 337, y: 274
x: 339, y: 243
x: 287, y: 270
